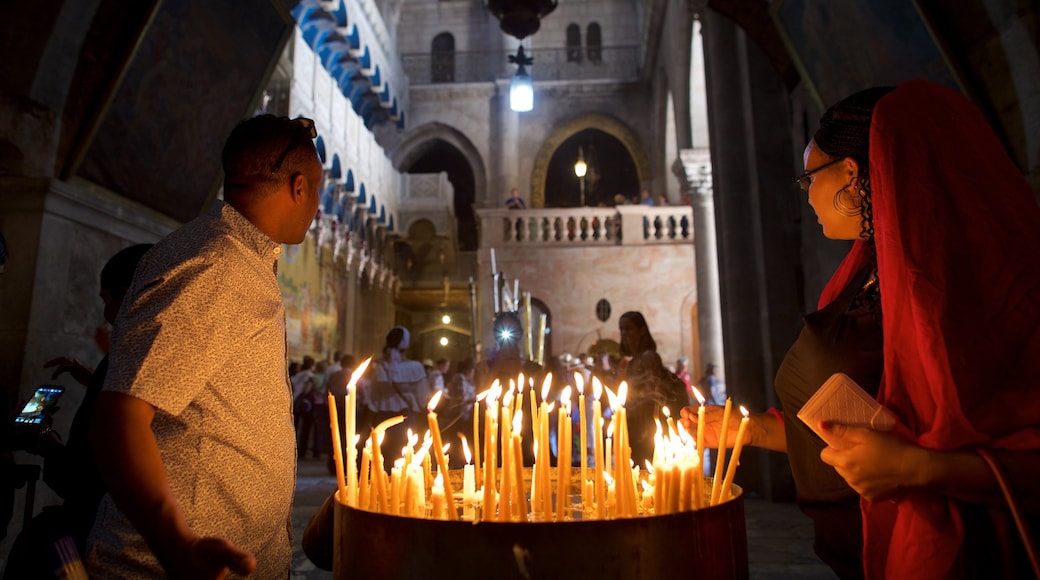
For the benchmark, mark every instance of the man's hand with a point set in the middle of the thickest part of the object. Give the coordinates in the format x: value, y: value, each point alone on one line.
x: 875, y: 464
x: 210, y: 558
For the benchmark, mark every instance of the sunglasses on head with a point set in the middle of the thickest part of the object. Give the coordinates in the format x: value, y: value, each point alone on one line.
x: 312, y: 132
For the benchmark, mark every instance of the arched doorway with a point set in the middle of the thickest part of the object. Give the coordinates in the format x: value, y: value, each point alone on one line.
x: 610, y: 171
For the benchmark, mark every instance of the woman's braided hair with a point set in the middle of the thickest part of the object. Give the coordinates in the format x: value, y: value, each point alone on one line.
x: 845, y: 132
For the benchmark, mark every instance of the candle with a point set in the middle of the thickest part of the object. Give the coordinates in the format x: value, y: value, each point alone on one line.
x: 716, y: 483
x: 494, y: 267
x: 735, y: 459
x: 597, y: 442
x: 563, y: 455
x: 698, y: 500
x: 350, y: 410
x: 543, y: 318
x: 395, y: 487
x: 516, y: 296
x: 528, y: 327
x: 437, y: 498
x: 519, y: 501
x: 469, y: 481
x: 490, y: 429
x: 337, y: 454
x: 648, y: 497
x: 365, y: 481
x: 477, y: 465
x: 583, y: 435
x: 442, y: 465
x: 505, y: 513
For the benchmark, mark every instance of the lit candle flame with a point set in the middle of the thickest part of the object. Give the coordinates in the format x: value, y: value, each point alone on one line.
x: 518, y: 422
x: 667, y: 412
x: 439, y: 480
x: 413, y: 438
x: 358, y: 373
x: 697, y: 393
x: 550, y: 408
x: 649, y: 467
x: 597, y: 388
x: 646, y: 486
x: 612, y: 399
x: 610, y: 428
x: 520, y: 381
x: 579, y: 382
x: 622, y: 393
x: 445, y: 449
x: 482, y: 394
x: 545, y: 386
x: 512, y: 386
x: 436, y: 398
x: 565, y: 396
x: 743, y: 411
x: 465, y: 449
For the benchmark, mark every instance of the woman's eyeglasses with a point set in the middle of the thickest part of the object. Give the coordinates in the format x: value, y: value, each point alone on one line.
x: 312, y: 132
x: 805, y: 180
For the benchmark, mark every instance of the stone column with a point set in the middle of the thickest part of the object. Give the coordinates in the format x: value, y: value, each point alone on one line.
x: 694, y: 173
x: 759, y: 239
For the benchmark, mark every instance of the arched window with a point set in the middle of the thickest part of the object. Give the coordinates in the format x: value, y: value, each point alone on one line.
x: 595, y: 43
x: 442, y: 59
x: 573, y: 43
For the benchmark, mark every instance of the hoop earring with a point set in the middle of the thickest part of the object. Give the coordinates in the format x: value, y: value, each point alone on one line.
x: 845, y: 208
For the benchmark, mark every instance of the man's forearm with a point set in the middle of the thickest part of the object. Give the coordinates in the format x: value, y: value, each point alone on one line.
x: 129, y: 459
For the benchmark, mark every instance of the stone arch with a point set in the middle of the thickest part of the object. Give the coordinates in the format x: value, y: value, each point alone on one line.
x: 411, y: 148
x: 600, y: 121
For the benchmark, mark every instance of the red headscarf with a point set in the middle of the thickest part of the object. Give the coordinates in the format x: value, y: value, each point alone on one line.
x: 957, y: 231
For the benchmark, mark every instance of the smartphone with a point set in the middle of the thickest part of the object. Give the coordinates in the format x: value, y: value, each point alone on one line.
x: 43, y: 402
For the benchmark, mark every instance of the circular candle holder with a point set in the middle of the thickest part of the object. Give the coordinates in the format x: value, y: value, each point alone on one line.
x: 709, y: 543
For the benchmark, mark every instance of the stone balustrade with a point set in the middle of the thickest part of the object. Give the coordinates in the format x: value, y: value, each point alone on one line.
x: 627, y: 225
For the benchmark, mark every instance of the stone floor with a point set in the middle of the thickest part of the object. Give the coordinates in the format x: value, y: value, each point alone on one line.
x: 779, y: 536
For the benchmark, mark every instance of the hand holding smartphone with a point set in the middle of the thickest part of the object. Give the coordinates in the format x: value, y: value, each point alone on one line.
x: 41, y: 406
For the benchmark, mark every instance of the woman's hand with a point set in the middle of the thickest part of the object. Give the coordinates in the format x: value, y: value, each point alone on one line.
x: 763, y: 430
x: 875, y: 464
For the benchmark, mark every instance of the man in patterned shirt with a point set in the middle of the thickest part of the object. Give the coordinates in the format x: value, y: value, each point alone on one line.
x: 194, y: 430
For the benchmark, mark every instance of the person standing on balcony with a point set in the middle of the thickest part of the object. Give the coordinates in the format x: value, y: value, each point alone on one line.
x: 515, y: 201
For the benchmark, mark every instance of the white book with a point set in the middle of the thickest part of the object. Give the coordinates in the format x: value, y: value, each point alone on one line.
x: 841, y: 400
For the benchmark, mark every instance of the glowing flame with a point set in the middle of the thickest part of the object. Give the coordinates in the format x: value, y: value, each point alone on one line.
x: 518, y: 422
x: 545, y: 386
x: 519, y: 381
x: 622, y: 393
x: 579, y: 382
x: 358, y: 373
x: 697, y: 393
x: 743, y: 411
x: 565, y: 396
x: 436, y: 398
x: 597, y: 388
x: 667, y: 412
x: 465, y: 449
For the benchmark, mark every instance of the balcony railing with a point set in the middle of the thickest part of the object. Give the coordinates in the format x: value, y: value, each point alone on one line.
x: 627, y: 225
x: 550, y: 64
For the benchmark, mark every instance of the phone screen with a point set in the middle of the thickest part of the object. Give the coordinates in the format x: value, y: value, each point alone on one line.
x: 43, y: 401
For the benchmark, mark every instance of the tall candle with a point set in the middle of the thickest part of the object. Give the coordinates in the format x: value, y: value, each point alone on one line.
x: 365, y: 481
x: 469, y: 482
x: 716, y: 483
x: 597, y: 442
x: 542, y: 320
x: 337, y: 455
x: 516, y: 296
x: 435, y: 429
x: 698, y: 500
x: 476, y: 438
x: 519, y: 501
x: 504, y: 511
x: 583, y: 435
x: 735, y: 459
x: 488, y: 502
x: 350, y: 409
x: 563, y: 455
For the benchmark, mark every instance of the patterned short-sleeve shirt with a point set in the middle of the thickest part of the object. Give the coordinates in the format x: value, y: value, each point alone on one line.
x: 201, y: 337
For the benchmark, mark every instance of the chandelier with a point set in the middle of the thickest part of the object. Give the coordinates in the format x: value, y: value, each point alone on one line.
x: 520, y: 18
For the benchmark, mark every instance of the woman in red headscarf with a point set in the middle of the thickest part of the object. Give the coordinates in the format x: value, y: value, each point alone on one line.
x: 936, y: 309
